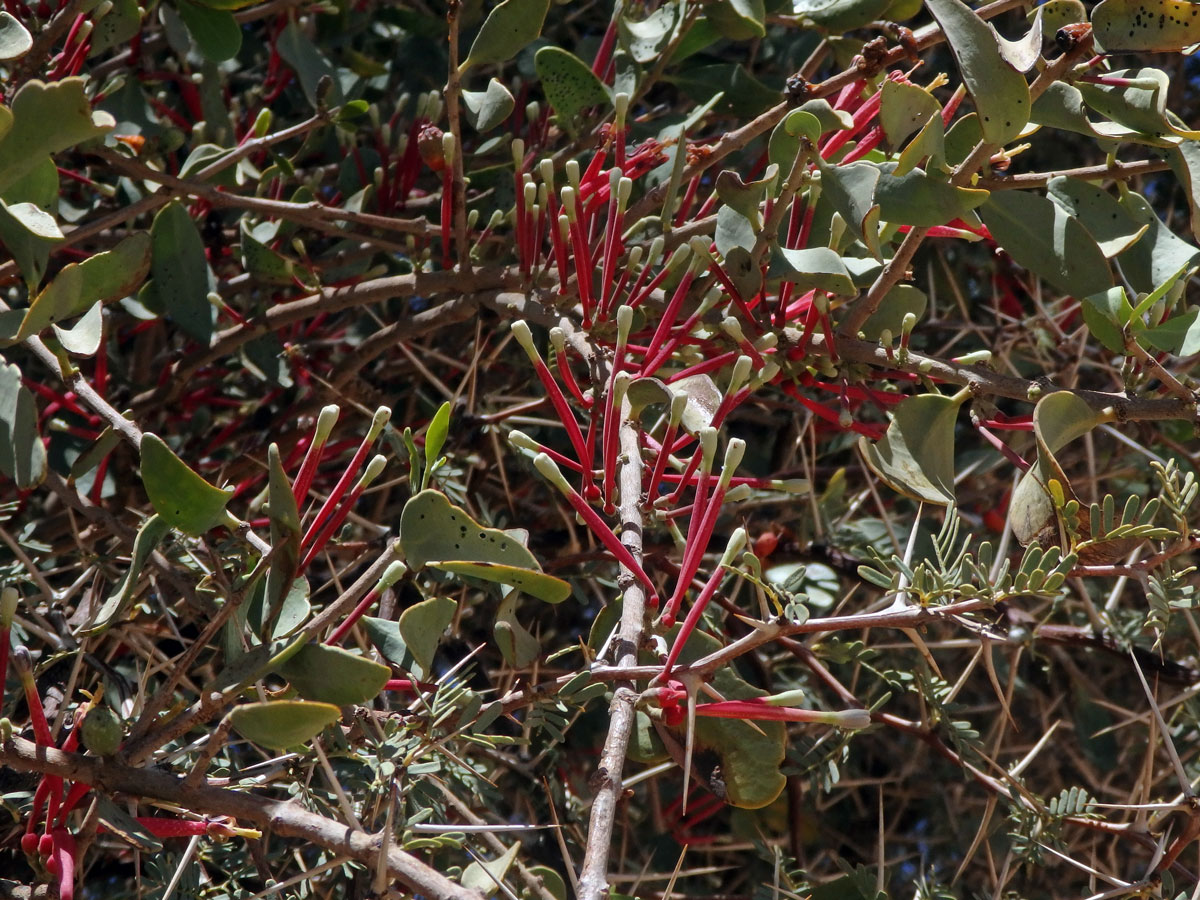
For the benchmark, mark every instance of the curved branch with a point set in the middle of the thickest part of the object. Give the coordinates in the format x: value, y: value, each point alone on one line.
x: 286, y: 818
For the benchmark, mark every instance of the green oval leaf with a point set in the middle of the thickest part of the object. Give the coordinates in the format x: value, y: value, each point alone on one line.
x: 899, y: 302
x: 385, y: 635
x: 263, y: 263
x: 740, y: 20
x: 310, y: 64
x: 78, y: 287
x: 432, y: 529
x: 435, y: 439
x: 281, y: 724
x: 508, y: 28
x: 285, y: 538
x: 1157, y: 26
x: 47, y: 119
x: 15, y: 39
x: 83, y: 338
x: 1044, y: 238
x: 333, y: 675
x: 487, y: 109
x: 851, y: 190
x: 1000, y: 92
x: 1179, y: 335
x: 1136, y: 104
x: 569, y: 84
x: 422, y: 625
x: 184, y: 500
x: 915, y: 457
x: 217, y: 34
x: 1058, y: 419
x: 904, y: 109
x: 1106, y: 314
x: 518, y: 647
x: 838, y: 16
x: 816, y: 267
x: 746, y: 197
x: 1114, y: 229
x: 920, y: 199
x: 180, y: 270
x: 117, y: 27
x: 486, y: 877
x: 1158, y: 254
x: 22, y: 453
x: 646, y: 39
x: 785, y: 143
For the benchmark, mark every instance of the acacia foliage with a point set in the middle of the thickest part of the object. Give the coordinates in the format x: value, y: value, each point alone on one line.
x: 417, y: 419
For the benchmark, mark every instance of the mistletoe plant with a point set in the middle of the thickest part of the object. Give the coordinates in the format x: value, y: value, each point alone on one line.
x: 740, y: 448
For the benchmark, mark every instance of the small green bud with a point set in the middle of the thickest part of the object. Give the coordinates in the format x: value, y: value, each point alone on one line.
x: 382, y: 416
x: 374, y: 468
x: 9, y: 598
x: 102, y: 732
x: 391, y: 575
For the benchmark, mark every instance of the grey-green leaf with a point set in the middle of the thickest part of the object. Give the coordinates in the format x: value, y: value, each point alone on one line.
x: 184, y: 499
x: 815, y: 267
x: 217, y: 34
x: 569, y: 84
x: 281, y: 724
x: 22, y: 454
x: 432, y: 529
x: 488, y: 108
x: 518, y: 647
x: 1114, y: 229
x: 46, y: 118
x: 78, y: 287
x: 1044, y: 238
x: 915, y: 457
x: 1000, y: 92
x: 421, y: 627
x: 180, y: 271
x: 508, y: 28
x: 851, y: 189
x: 333, y: 675
x: 149, y: 535
x: 15, y: 39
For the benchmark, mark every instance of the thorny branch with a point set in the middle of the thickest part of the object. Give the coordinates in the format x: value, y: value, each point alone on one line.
x: 284, y: 818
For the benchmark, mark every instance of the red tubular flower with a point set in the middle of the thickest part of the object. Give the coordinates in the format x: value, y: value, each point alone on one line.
x: 656, y: 353
x: 678, y: 404
x: 335, y: 521
x: 600, y: 528
x: 391, y: 575
x: 64, y: 853
x: 695, y: 544
x: 703, y: 521
x: 382, y: 415
x: 524, y: 337
x: 23, y: 663
x: 760, y: 710
x: 737, y: 541
x: 326, y: 419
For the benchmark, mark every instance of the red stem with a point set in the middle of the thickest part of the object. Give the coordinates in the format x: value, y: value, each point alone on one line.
x: 357, y: 613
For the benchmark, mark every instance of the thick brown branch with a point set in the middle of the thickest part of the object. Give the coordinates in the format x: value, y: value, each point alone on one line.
x: 283, y: 817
